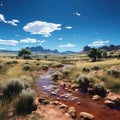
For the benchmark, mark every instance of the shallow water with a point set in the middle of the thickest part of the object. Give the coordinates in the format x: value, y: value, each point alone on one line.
x: 55, y: 91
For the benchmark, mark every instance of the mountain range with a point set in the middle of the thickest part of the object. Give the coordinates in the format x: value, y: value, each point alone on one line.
x: 41, y: 50
x: 104, y: 48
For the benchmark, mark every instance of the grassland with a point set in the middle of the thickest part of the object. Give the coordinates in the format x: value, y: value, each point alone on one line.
x: 14, y: 68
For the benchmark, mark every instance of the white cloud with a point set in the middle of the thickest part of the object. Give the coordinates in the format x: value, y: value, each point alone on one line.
x: 77, y: 14
x: 43, y: 28
x: 9, y: 42
x: 28, y: 40
x: 2, y: 48
x: 12, y: 22
x: 60, y: 38
x: 68, y: 27
x: 42, y: 41
x: 98, y: 43
x: 67, y: 45
x: 1, y: 4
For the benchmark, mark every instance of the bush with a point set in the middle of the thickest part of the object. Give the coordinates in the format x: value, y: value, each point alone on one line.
x: 1, y: 66
x: 114, y: 72
x: 59, y: 65
x: 15, y: 62
x: 9, y: 62
x: 95, y: 68
x: 86, y: 70
x: 99, y: 89
x: 26, y: 67
x: 37, y: 64
x: 112, y: 83
x: 65, y: 73
x: 83, y: 81
x: 3, y: 110
x: 56, y: 76
x: 12, y: 87
x: 27, y: 80
x: 24, y: 102
x: 44, y: 67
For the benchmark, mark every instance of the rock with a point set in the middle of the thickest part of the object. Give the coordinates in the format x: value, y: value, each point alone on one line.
x: 55, y: 102
x: 58, y: 98
x: 69, y: 90
x: 40, y: 99
x: 72, y: 112
x: 74, y: 86
x: 66, y: 88
x: 67, y: 115
x: 53, y: 93
x: 46, y: 102
x: 96, y: 97
x: 90, y: 90
x: 64, y: 100
x: 109, y: 103
x: 72, y: 109
x: 87, y: 116
x: 10, y: 114
x: 73, y: 115
x: 76, y: 90
x: 63, y: 106
x: 114, y: 98
x: 34, y: 107
x: 78, y: 103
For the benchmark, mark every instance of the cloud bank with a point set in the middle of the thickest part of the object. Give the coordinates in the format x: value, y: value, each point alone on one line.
x: 43, y: 28
x: 69, y: 45
x: 98, y: 43
x: 9, y: 42
x: 28, y: 40
x: 13, y: 22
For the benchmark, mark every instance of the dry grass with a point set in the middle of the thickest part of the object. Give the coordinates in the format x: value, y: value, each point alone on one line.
x: 101, y: 64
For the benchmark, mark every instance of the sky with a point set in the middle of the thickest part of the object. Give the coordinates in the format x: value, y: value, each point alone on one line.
x: 59, y: 24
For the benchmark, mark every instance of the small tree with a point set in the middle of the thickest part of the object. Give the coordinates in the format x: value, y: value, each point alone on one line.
x: 25, y: 53
x: 95, y: 53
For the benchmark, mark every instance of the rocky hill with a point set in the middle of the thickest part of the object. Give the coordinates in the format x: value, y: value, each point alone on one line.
x: 105, y: 48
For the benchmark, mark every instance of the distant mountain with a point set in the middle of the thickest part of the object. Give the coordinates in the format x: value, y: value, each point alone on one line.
x: 42, y: 50
x: 105, y: 48
x: 68, y: 52
x: 48, y: 51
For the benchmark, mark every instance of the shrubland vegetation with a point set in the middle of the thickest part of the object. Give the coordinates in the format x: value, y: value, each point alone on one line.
x: 17, y: 78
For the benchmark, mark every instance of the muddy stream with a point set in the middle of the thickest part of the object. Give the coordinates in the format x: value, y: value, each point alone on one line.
x: 53, y: 90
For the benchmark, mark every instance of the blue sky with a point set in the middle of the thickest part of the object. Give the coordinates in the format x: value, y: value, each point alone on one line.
x: 59, y: 24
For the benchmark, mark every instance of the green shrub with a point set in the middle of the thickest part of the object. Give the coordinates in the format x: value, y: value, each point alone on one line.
x: 83, y: 81
x: 44, y: 67
x: 3, y: 110
x: 37, y: 64
x: 86, y: 70
x: 13, y: 87
x: 58, y: 65
x: 27, y: 80
x: 114, y: 72
x: 65, y: 73
x: 99, y: 89
x: 2, y: 66
x: 24, y: 102
x: 112, y: 83
x: 56, y: 76
x: 9, y: 62
x: 95, y: 68
x: 15, y: 62
x: 26, y: 67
